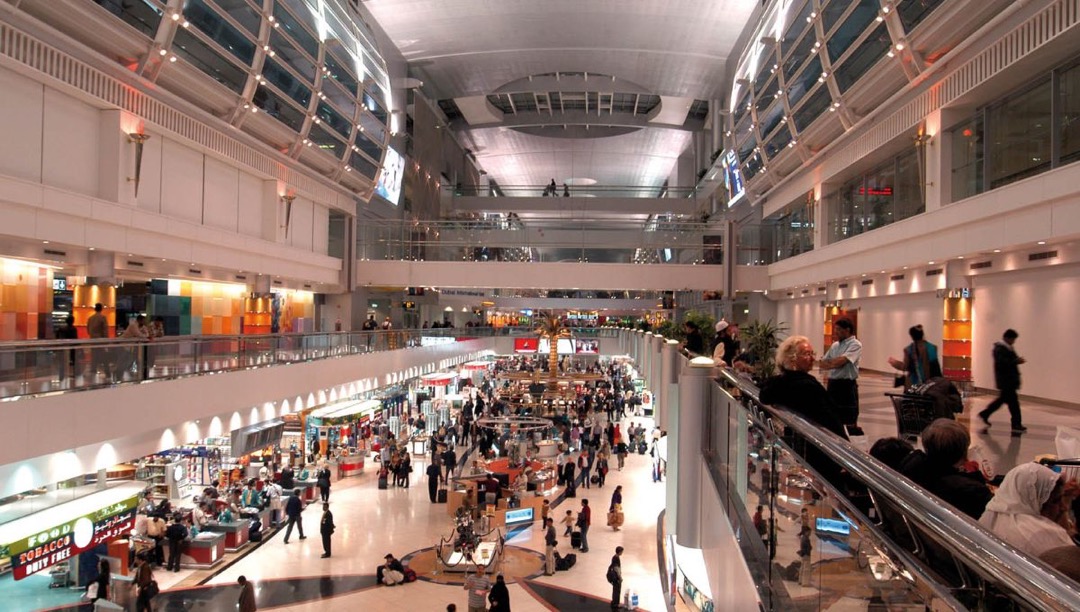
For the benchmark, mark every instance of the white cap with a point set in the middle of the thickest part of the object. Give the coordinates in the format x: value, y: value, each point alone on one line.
x: 721, y: 325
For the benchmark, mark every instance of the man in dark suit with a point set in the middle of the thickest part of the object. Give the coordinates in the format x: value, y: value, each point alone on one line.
x: 293, y: 510
x: 326, y: 529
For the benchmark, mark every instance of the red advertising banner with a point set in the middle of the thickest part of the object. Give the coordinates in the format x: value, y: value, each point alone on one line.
x: 526, y: 345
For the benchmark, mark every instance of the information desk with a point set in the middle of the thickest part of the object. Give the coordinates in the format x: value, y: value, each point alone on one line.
x: 350, y: 465
x: 548, y: 449
x: 485, y: 556
x: 309, y: 489
x: 418, y: 445
x: 236, y: 533
x: 203, y: 551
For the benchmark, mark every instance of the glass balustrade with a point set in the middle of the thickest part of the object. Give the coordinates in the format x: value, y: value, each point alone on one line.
x: 570, y: 191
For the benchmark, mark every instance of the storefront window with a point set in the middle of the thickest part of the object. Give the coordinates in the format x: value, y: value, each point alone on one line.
x: 205, y: 58
x: 967, y: 159
x: 143, y: 16
x: 1069, y: 103
x: 869, y: 52
x: 219, y: 30
x: 889, y: 193
x: 880, y: 193
x: 910, y: 192
x: 1020, y: 136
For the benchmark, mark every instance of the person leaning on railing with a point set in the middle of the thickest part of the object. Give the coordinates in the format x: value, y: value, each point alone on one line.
x: 797, y: 390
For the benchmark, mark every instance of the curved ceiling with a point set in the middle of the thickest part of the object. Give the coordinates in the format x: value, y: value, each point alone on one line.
x: 677, y: 49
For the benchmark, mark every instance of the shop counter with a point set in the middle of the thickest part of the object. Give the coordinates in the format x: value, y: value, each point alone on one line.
x: 236, y: 533
x: 309, y: 489
x: 204, y: 551
x: 418, y: 445
x: 350, y: 465
x: 547, y: 449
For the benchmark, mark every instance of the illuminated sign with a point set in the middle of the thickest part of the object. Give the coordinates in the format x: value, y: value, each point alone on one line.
x: 59, y: 284
x: 393, y: 171
x: 526, y: 345
x: 519, y: 515
x: 876, y: 191
x: 833, y: 526
x: 435, y: 340
x: 732, y: 177
x: 42, y: 550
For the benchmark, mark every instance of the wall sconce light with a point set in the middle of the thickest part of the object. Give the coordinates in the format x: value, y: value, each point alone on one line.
x: 288, y: 200
x: 139, y: 140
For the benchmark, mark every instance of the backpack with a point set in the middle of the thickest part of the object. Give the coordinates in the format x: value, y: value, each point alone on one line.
x: 612, y: 574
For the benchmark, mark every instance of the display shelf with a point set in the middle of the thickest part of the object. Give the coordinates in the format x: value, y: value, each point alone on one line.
x: 957, y: 333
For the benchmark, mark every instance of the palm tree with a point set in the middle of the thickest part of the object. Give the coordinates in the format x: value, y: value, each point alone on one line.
x: 552, y: 328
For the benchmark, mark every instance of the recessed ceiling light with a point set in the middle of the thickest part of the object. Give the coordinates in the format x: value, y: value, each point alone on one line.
x: 44, y: 242
x: 997, y: 250
x: 1041, y: 242
x: 931, y: 263
x: 961, y: 257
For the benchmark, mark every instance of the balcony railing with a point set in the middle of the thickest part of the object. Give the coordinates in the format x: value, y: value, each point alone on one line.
x: 534, y: 238
x: 917, y: 551
x: 570, y: 191
x: 60, y: 366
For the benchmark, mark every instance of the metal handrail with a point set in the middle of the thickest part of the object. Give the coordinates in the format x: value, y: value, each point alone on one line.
x: 1036, y: 583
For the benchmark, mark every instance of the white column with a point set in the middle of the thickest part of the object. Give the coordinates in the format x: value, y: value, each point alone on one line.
x: 694, y: 395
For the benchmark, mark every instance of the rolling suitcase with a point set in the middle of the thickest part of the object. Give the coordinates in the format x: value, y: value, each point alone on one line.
x: 440, y: 497
x: 575, y: 539
x: 382, y: 483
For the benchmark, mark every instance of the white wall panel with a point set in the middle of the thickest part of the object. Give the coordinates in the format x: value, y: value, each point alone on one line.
x: 802, y: 317
x: 1040, y: 305
x: 149, y: 198
x: 250, y: 205
x: 220, y: 195
x: 70, y: 144
x: 20, y: 122
x: 181, y: 182
x: 300, y: 223
x: 320, y: 236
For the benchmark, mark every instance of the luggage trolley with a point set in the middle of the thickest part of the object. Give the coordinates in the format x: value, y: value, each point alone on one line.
x: 913, y: 414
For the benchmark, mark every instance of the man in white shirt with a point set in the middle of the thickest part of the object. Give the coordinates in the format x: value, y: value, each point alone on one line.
x: 842, y: 362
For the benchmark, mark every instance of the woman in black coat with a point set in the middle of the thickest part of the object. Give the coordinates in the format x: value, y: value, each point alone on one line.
x: 499, y: 596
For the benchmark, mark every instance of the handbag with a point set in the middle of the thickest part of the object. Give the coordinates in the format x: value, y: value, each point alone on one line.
x: 92, y: 591
x: 899, y: 380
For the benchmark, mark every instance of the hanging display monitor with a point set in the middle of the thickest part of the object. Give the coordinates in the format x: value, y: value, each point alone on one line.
x: 733, y: 178
x: 525, y: 345
x: 393, y: 172
x: 565, y: 346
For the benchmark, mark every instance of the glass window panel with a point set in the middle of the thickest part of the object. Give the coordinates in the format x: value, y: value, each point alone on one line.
x: 910, y: 190
x: 799, y: 54
x: 771, y: 119
x: 743, y: 126
x: 869, y: 52
x: 912, y: 12
x: 363, y: 165
x: 1069, y: 103
x: 800, y: 85
x: 372, y: 67
x: 339, y: 66
x: 742, y: 109
x: 372, y: 128
x: 286, y: 82
x: 778, y: 142
x: 279, y: 108
x: 799, y: 24
x: 879, y: 195
x: 241, y: 12
x: 376, y: 90
x: 338, y: 30
x: 220, y: 31
x: 746, y: 149
x: 1020, y: 136
x: 293, y: 25
x: 812, y: 108
x: 967, y: 159
x: 285, y: 51
x: 853, y: 27
x: 752, y: 167
x: 207, y: 59
x: 767, y: 96
x: 326, y: 141
x: 142, y: 16
x: 765, y: 70
x: 376, y: 108
x: 332, y: 118
x: 367, y: 146
x: 789, y: 231
x: 342, y: 100
x: 832, y: 12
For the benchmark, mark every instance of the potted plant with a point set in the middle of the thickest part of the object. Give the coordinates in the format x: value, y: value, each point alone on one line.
x: 761, y: 340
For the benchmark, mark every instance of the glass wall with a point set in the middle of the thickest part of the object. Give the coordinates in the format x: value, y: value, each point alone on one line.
x: 1023, y: 134
x: 891, y: 192
x: 789, y: 231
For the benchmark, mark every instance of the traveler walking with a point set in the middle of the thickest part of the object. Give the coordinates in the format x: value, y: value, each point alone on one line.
x: 322, y: 478
x: 478, y: 586
x: 615, y: 511
x: 920, y: 362
x: 293, y: 510
x: 146, y: 585
x: 433, y: 473
x: 1007, y: 380
x: 499, y: 596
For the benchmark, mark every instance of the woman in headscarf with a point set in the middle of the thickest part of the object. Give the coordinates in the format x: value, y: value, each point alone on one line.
x: 1025, y: 508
